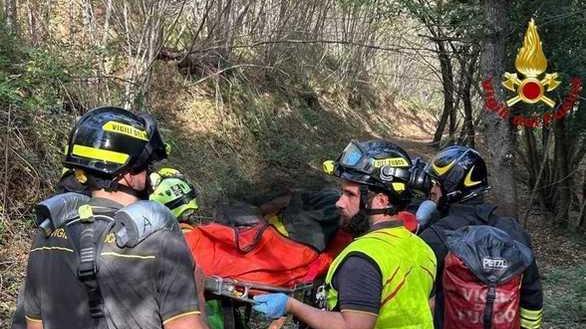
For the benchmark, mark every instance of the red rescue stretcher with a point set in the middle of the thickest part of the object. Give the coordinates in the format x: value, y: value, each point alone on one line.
x: 260, y: 257
x: 241, y: 262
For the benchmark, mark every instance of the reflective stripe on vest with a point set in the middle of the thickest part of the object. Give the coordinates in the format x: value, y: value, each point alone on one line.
x: 408, y: 267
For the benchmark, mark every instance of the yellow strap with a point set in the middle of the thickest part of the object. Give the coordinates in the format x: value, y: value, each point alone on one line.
x: 180, y: 315
x: 99, y: 154
x: 358, y: 311
x: 29, y: 318
x: 185, y: 227
x: 278, y: 224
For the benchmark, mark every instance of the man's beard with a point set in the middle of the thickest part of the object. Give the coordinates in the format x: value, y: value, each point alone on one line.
x: 359, y: 224
x: 345, y: 221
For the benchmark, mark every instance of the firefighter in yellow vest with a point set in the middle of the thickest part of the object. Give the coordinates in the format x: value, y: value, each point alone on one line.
x: 384, y: 278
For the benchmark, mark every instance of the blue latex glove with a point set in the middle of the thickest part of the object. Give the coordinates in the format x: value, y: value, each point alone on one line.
x: 272, y: 306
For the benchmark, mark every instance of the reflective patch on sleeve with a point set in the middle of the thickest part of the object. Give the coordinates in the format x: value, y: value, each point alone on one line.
x: 531, y: 319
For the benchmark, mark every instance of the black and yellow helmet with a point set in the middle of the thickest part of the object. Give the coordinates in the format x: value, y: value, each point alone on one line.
x: 380, y: 165
x: 109, y: 141
x: 461, y: 171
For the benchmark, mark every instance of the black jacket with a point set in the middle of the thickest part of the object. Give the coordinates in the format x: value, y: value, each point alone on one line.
x: 479, y: 213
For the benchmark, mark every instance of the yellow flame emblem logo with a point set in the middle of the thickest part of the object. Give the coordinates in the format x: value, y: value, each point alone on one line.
x: 531, y: 63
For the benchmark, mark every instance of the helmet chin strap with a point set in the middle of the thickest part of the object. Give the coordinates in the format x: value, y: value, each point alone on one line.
x: 390, y: 210
x: 115, y: 186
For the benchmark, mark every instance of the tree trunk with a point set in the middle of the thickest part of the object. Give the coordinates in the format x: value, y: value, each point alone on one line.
x: 466, y: 99
x: 468, y: 120
x: 498, y: 133
x: 441, y: 125
x: 448, y: 88
x: 10, y: 11
x: 33, y: 24
x: 547, y: 198
x: 227, y: 35
x: 582, y: 217
x: 562, y: 178
x: 532, y: 160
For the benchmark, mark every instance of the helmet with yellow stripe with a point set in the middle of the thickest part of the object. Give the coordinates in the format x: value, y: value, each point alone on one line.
x: 107, y: 142
x: 378, y: 165
x: 461, y: 172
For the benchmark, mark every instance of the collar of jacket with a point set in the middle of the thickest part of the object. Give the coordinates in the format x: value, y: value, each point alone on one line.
x: 480, y: 209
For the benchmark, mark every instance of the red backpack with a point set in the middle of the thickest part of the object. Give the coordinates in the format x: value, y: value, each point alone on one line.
x: 482, y: 278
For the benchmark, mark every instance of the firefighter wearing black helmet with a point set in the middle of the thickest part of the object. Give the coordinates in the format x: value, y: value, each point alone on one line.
x: 113, y: 261
x: 461, y: 180
x: 109, y: 142
x: 384, y: 278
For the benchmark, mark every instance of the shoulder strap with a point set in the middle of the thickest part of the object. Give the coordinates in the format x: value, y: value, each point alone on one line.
x: 482, y: 215
x: 487, y: 214
x: 89, y: 243
x: 489, y: 307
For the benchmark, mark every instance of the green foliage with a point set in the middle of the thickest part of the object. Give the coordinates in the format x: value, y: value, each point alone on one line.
x: 565, y: 297
x: 31, y: 91
x: 30, y: 78
x: 459, y: 22
x: 356, y: 3
x: 10, y: 53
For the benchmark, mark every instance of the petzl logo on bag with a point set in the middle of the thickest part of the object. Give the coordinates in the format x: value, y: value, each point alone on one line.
x: 494, y: 264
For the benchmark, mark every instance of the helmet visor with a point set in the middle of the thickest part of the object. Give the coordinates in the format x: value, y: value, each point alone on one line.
x: 351, y: 155
x: 354, y: 158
